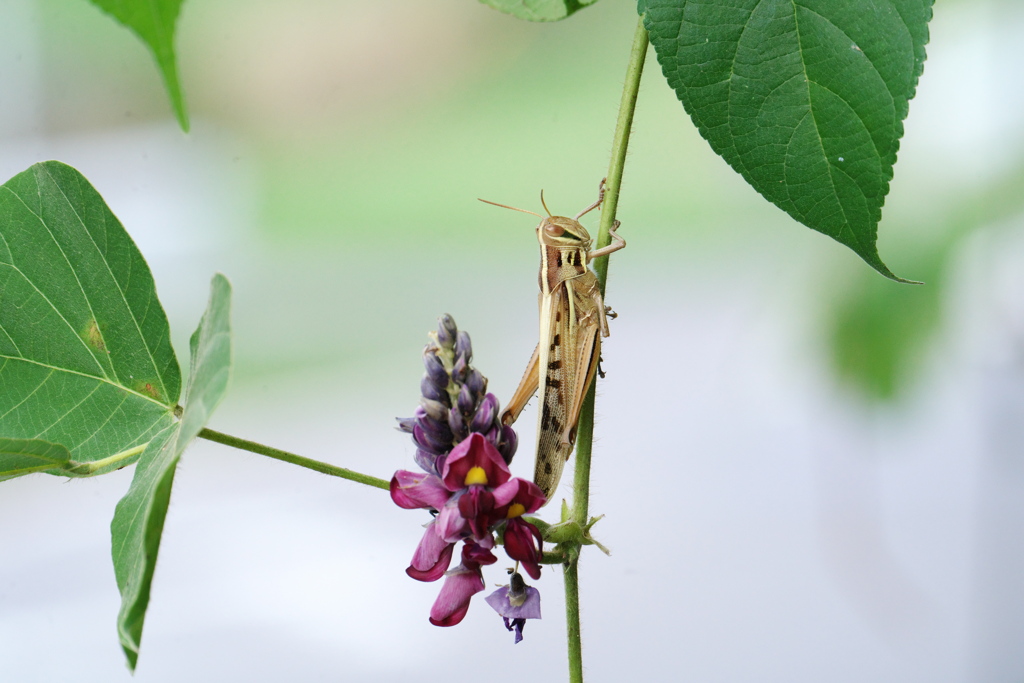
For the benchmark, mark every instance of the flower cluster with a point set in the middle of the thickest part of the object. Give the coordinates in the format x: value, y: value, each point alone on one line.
x: 464, y: 451
x: 454, y: 403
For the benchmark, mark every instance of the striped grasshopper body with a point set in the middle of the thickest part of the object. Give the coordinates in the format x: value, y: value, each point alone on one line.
x: 572, y: 321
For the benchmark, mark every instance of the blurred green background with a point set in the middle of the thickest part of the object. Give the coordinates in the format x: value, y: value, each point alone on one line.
x: 810, y: 472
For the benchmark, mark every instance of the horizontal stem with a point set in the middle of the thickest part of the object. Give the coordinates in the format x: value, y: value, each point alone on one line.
x: 86, y: 469
x: 294, y: 459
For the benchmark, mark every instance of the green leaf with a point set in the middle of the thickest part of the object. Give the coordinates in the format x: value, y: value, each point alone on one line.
x: 138, y: 522
x: 805, y: 99
x: 85, y: 351
x: 24, y: 456
x: 539, y: 10
x: 154, y: 21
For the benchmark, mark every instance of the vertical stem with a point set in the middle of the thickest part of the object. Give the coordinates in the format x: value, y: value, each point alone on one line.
x: 585, y: 428
x: 572, y: 615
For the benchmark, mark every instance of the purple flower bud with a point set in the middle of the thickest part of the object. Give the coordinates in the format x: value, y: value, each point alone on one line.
x: 435, y: 410
x: 435, y: 370
x: 509, y: 443
x: 476, y: 382
x: 426, y: 461
x: 434, y: 392
x: 466, y: 402
x: 405, y: 424
x: 446, y: 331
x: 464, y: 347
x: 427, y: 442
x: 436, y: 429
x: 494, y: 436
x: 485, y: 414
x: 457, y: 424
x: 459, y: 369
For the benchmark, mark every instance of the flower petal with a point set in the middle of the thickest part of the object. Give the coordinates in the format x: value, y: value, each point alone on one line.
x: 475, y: 451
x: 452, y: 603
x: 475, y: 506
x: 432, y: 556
x: 450, y: 524
x: 525, y: 493
x: 523, y: 542
x: 530, y: 609
x: 411, y: 490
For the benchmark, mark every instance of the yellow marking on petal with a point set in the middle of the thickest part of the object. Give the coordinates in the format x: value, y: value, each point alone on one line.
x: 514, y: 510
x: 476, y: 475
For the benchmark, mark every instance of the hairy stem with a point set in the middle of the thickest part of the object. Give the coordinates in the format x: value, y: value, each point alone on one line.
x: 308, y: 463
x: 585, y: 429
x: 572, y: 614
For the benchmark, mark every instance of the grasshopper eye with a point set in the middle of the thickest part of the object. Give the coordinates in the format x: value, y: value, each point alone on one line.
x: 554, y: 230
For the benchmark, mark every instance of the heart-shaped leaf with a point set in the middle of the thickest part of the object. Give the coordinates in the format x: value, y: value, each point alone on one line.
x: 138, y: 522
x: 539, y: 10
x: 85, y: 352
x: 805, y: 99
x: 154, y: 21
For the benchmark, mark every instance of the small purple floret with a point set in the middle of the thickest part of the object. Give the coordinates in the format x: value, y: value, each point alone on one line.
x: 515, y: 603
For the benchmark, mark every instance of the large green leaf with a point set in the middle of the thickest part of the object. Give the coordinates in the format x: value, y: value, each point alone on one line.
x: 806, y: 99
x: 85, y: 352
x: 539, y: 10
x: 154, y: 21
x: 138, y: 522
x: 24, y: 456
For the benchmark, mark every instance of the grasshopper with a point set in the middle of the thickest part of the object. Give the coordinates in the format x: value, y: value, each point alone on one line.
x: 573, y: 318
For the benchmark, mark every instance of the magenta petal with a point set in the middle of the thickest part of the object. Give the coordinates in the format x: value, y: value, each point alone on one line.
x: 521, y: 491
x: 474, y: 451
x: 523, y: 542
x: 432, y: 556
x: 504, y: 494
x: 475, y: 506
x: 452, y: 603
x: 411, y: 490
x: 474, y: 553
x: 450, y: 524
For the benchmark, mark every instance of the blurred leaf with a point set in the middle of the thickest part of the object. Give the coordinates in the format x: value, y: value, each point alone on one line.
x: 85, y: 352
x: 154, y: 21
x: 539, y: 10
x: 138, y: 522
x: 879, y: 329
x: 24, y: 456
x: 806, y: 101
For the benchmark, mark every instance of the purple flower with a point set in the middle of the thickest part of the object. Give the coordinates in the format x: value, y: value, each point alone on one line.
x: 466, y: 501
x: 464, y: 451
x: 516, y: 603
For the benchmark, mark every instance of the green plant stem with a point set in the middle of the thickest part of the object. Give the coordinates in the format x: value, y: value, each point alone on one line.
x: 585, y: 429
x: 285, y: 456
x: 572, y: 611
x: 89, y: 468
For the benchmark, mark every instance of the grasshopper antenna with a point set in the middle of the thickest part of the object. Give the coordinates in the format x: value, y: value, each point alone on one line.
x: 505, y: 206
x: 543, y: 204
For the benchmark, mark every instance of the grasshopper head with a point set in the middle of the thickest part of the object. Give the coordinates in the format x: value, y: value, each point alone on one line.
x: 559, y: 231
